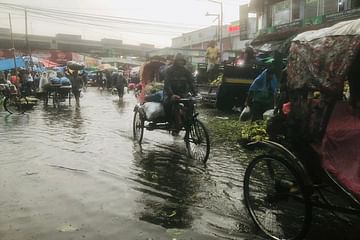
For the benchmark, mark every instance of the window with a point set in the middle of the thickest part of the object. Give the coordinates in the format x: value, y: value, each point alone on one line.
x: 281, y: 13
x: 311, y: 8
x: 295, y: 9
x: 341, y: 5
x: 355, y: 4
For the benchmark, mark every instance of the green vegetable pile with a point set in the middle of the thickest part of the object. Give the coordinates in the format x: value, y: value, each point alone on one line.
x: 255, y: 131
x: 232, y: 130
x: 217, y: 82
x: 153, y: 88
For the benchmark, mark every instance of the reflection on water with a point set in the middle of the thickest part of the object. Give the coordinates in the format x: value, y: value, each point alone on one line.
x: 169, y: 188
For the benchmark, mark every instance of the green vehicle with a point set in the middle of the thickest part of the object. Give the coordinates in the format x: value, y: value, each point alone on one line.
x: 230, y: 88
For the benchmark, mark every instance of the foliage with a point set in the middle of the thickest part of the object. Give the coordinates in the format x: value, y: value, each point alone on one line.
x: 232, y: 130
x: 153, y: 87
x: 255, y: 131
x: 217, y: 82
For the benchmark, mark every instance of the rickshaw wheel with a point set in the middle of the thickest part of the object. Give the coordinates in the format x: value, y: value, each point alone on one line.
x: 138, y: 126
x: 56, y: 99
x: 276, y: 199
x: 14, y: 104
x: 197, y: 141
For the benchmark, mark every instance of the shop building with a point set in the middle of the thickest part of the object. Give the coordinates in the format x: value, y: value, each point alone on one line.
x: 287, y: 17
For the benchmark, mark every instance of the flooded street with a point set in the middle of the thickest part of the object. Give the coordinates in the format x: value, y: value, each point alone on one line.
x: 77, y: 174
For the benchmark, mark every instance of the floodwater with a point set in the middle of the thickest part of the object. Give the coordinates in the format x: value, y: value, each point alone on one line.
x: 77, y: 174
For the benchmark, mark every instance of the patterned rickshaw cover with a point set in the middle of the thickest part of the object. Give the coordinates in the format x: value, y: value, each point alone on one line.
x: 321, y: 59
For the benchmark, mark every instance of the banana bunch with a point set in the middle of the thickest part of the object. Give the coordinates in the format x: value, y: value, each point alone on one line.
x: 255, y: 131
x: 217, y: 82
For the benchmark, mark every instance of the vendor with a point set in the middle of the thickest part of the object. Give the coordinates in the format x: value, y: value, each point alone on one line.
x: 261, y: 93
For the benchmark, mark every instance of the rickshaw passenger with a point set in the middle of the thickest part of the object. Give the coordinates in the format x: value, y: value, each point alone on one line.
x: 149, y: 72
x: 178, y: 84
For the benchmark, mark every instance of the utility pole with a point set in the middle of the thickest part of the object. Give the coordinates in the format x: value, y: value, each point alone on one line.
x: 12, y: 41
x: 218, y: 24
x: 28, y: 52
x: 221, y: 30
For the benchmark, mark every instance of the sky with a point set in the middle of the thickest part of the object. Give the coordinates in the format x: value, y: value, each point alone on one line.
x: 161, y: 20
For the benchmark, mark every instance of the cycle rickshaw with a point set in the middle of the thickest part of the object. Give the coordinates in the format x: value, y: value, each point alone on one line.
x: 314, y: 147
x: 57, y: 89
x: 196, y: 137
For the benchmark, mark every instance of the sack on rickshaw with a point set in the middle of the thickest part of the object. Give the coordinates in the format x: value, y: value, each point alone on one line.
x: 153, y: 110
x: 55, y: 80
x: 268, y: 114
x: 245, y: 114
x: 64, y: 81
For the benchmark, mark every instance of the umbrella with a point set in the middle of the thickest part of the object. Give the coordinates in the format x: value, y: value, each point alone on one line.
x: 107, y: 66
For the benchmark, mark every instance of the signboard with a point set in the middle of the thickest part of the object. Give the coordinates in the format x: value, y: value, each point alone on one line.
x: 60, y: 57
x: 243, y: 21
x: 232, y: 29
x: 343, y: 15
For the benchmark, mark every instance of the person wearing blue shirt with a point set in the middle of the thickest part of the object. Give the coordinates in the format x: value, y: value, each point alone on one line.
x: 261, y: 93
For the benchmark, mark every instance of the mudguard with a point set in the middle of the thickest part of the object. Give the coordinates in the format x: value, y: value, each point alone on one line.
x: 288, y: 155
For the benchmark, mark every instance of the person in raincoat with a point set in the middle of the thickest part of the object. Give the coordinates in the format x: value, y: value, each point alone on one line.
x: 261, y: 93
x: 76, y: 84
x: 178, y: 84
x: 119, y: 82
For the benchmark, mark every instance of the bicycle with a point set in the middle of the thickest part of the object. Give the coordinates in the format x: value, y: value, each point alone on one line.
x: 196, y: 137
x: 15, y: 101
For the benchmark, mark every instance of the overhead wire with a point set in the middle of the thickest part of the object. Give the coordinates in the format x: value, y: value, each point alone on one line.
x: 105, y: 26
x: 100, y: 17
x: 104, y: 22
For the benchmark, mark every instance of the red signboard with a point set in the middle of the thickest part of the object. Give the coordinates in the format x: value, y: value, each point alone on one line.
x: 235, y: 28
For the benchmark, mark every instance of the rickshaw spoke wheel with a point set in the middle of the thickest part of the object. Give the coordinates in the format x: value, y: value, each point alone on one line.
x: 138, y: 127
x: 15, y: 104
x: 275, y: 198
x: 197, y: 141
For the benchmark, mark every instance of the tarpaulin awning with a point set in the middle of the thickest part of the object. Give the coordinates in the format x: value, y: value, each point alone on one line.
x: 48, y: 63
x: 6, y: 64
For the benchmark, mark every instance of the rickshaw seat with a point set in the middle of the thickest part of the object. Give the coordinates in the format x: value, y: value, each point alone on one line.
x: 340, y: 147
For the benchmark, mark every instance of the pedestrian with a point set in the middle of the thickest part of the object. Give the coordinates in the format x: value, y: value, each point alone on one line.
x: 212, y: 58
x: 76, y: 84
x: 119, y: 82
x: 2, y: 78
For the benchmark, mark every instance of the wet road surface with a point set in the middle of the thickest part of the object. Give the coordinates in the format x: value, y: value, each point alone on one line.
x: 75, y: 174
